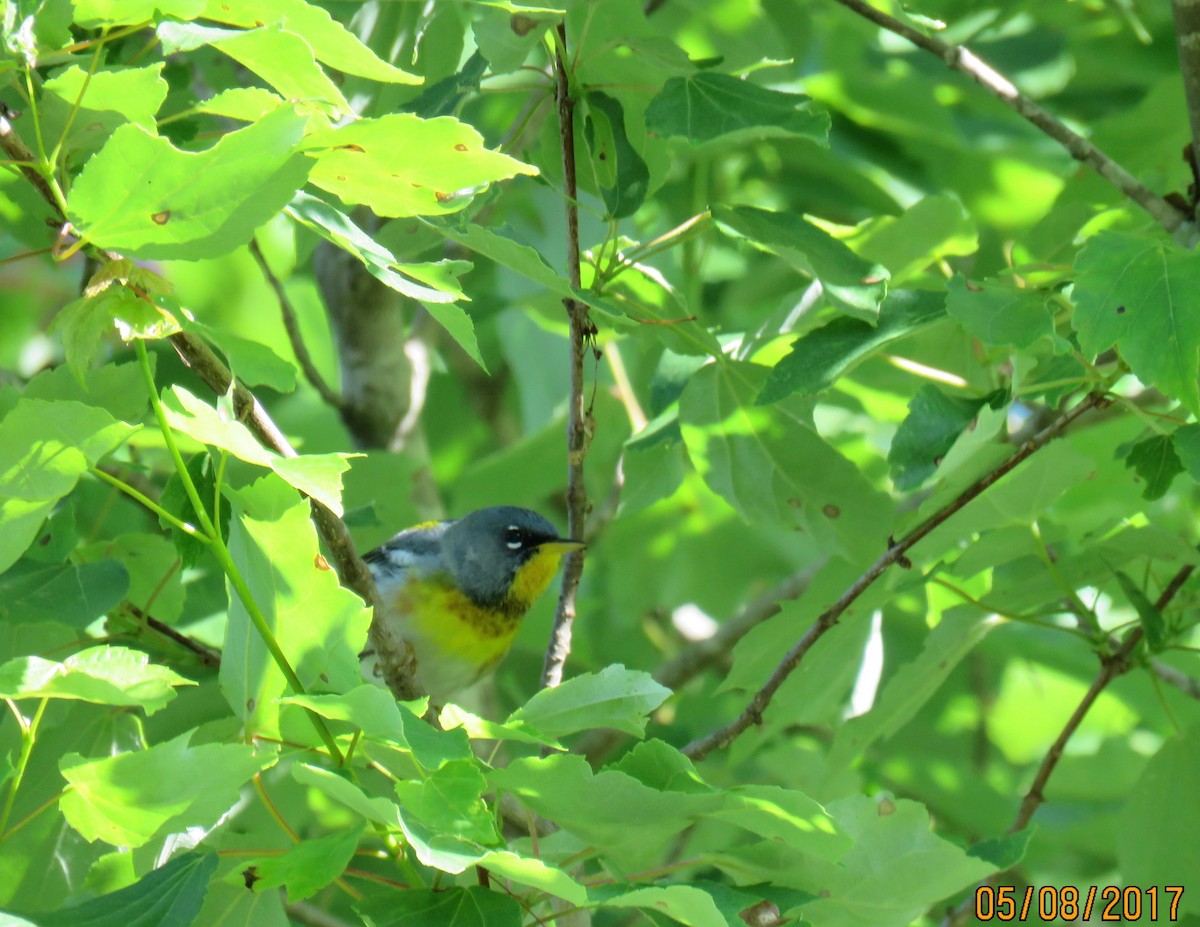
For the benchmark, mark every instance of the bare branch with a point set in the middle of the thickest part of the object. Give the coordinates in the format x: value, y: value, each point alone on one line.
x: 963, y: 60
x: 752, y: 714
x: 579, y: 420
x: 292, y: 325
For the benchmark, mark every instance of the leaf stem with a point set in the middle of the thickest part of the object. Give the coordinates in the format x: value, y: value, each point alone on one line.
x: 150, y: 504
x: 225, y: 559
x: 28, y: 738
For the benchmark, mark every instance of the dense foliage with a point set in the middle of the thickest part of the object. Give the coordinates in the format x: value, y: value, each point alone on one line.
x: 889, y: 409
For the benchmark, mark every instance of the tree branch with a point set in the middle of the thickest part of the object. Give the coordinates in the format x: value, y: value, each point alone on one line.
x: 1187, y: 39
x: 752, y: 714
x: 292, y: 325
x: 1111, y: 666
x: 963, y: 60
x: 579, y: 421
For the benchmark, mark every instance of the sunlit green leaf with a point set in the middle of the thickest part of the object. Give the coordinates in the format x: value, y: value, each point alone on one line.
x: 309, y: 866
x: 615, y: 698
x: 144, y: 197
x: 126, y: 799
x: 104, y: 675
x: 445, y: 164
x: 455, y: 907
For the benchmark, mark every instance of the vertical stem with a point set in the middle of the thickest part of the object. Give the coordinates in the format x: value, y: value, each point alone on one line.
x: 581, y: 328
x: 1187, y: 39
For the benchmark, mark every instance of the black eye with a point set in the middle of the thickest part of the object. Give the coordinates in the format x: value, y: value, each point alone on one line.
x: 516, y: 538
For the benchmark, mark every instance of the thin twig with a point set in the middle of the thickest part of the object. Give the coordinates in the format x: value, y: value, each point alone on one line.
x: 963, y: 60
x: 292, y: 325
x: 752, y: 714
x: 206, y: 655
x: 16, y: 149
x: 578, y: 419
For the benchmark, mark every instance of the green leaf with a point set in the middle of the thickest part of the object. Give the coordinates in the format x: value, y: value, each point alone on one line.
x: 453, y: 907
x: 708, y: 105
x: 1152, y: 619
x: 252, y: 362
x: 1186, y: 441
x: 1156, y: 833
x: 769, y: 464
x: 335, y: 226
x: 320, y: 625
x: 913, y: 685
x: 104, y: 675
x: 686, y: 904
x: 445, y: 164
x: 999, y: 314
x: 1142, y: 295
x: 449, y: 803
x: 819, y: 358
x: 75, y: 594
x: 849, y: 281
x: 84, y: 323
x: 661, y: 766
x: 1004, y: 852
x: 933, y: 424
x: 506, y: 38
x: 933, y: 228
x: 787, y: 816
x: 281, y: 58
x: 1156, y: 463
x: 310, y: 865
x: 119, y: 389
x: 125, y: 800
x: 348, y: 795
x: 535, y: 873
x: 170, y: 896
x: 44, y: 448
x: 330, y: 41
x: 614, y: 698
x: 316, y: 475
x: 621, y: 173
x: 246, y: 104
x: 609, y: 809
x: 897, y: 870
x: 144, y: 197
x: 90, y: 13
x: 111, y: 99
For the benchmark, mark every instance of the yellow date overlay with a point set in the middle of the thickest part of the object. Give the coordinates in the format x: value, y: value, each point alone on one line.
x: 1106, y: 903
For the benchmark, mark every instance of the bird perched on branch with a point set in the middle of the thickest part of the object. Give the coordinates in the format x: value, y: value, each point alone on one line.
x: 457, y: 591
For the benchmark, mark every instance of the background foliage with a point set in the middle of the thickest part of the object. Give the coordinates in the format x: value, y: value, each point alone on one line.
x: 836, y: 286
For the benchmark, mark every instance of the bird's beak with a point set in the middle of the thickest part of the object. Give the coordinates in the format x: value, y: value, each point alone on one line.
x: 561, y: 546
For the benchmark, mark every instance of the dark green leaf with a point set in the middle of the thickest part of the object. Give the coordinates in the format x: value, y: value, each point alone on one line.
x: 621, y: 173
x: 997, y: 314
x: 708, y: 105
x: 1142, y: 295
x: 849, y: 281
x: 74, y: 594
x: 933, y: 424
x: 1004, y: 852
x: 1155, y: 627
x: 170, y: 896
x: 1156, y: 464
x: 820, y: 357
x: 454, y: 907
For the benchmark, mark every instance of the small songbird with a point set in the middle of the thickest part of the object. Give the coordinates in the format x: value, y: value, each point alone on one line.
x: 457, y: 591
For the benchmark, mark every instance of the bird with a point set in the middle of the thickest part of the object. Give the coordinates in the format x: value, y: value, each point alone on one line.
x: 457, y: 590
